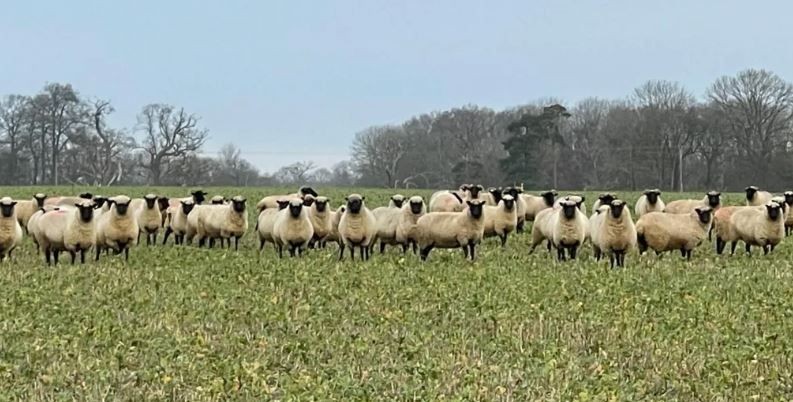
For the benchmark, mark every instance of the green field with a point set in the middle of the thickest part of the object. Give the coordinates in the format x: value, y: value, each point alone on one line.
x: 181, y: 323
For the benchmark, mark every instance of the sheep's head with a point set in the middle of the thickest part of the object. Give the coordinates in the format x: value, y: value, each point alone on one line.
x: 398, y: 200
x: 416, y: 205
x: 238, y: 203
x: 464, y: 187
x: 321, y: 204
x: 607, y: 198
x: 308, y: 200
x: 508, y: 201
x: 475, y: 208
x: 513, y: 191
x: 217, y: 200
x: 714, y: 199
x: 617, y: 206
x: 789, y: 197
x: 150, y: 199
x: 163, y: 203
x: 354, y: 203
x: 122, y: 204
x: 306, y: 190
x: 549, y: 197
x: 475, y: 190
x: 750, y: 192
x: 568, y: 208
x: 7, y: 207
x: 187, y: 206
x: 652, y: 195
x: 86, y: 196
x: 774, y: 210
x: 782, y: 204
x: 704, y: 214
x: 496, y: 193
x: 282, y: 204
x: 295, y: 207
x: 85, y: 209
x: 199, y: 196
x: 99, y: 201
x: 577, y: 199
x: 40, y: 197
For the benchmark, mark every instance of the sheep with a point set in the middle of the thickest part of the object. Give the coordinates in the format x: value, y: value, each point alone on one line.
x: 117, y: 229
x: 271, y: 201
x: 520, y: 206
x: 26, y: 208
x: 357, y: 227
x: 396, y: 201
x: 177, y: 223
x: 595, y: 222
x: 756, y: 197
x: 265, y: 224
x: 712, y: 199
x: 569, y: 228
x: 474, y: 192
x: 71, y: 229
x: 224, y: 222
x: 10, y: 230
x: 67, y: 201
x: 447, y: 201
x: 501, y: 220
x: 149, y: 218
x: 541, y: 229
x: 452, y: 229
x: 534, y: 204
x: 763, y: 227
x: 722, y: 226
x: 406, y: 230
x: 666, y: 231
x: 649, y: 201
x: 163, y: 203
x: 789, y: 217
x: 218, y: 200
x: 293, y: 229
x: 320, y: 216
x: 492, y: 196
x: 616, y: 233
x: 603, y: 199
x: 579, y: 201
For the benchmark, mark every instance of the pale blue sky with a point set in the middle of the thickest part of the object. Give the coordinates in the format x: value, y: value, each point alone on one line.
x: 294, y: 80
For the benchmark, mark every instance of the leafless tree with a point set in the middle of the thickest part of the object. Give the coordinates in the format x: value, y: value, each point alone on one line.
x: 379, y: 150
x: 12, y: 124
x: 296, y: 173
x: 168, y: 134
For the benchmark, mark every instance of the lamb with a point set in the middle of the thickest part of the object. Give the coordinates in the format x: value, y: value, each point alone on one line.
x: 387, y: 219
x: 149, y: 218
x: 520, y: 206
x: 177, y: 223
x: 616, y: 233
x: 71, y: 229
x: 712, y: 199
x: 406, y: 231
x: 789, y: 217
x: 293, y: 228
x: 756, y: 197
x: 534, y: 204
x: 452, y: 229
x: 501, y: 220
x: 447, y: 201
x: 569, y: 228
x: 271, y: 201
x: 224, y: 222
x: 265, y: 224
x: 649, y: 201
x: 117, y: 229
x: 667, y: 231
x: 320, y: 217
x: 10, y: 230
x: 763, y: 227
x: 357, y: 227
x: 26, y: 208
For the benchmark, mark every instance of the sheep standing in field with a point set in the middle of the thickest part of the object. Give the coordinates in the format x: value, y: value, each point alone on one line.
x: 72, y: 230
x: 177, y: 223
x: 149, y: 218
x: 293, y: 229
x: 763, y: 227
x: 320, y: 216
x: 520, y: 206
x: 616, y: 232
x: 579, y: 202
x: 650, y: 201
x: 406, y: 231
x: 117, y: 229
x: 452, y: 229
x: 789, y: 217
x: 501, y: 220
x: 603, y: 199
x: 217, y: 200
x: 712, y: 200
x: 335, y: 218
x: 569, y: 228
x: 26, y: 208
x: 387, y: 219
x: 271, y: 201
x: 492, y: 196
x: 756, y: 197
x: 595, y: 222
x: 357, y: 227
x: 446, y: 201
x: 265, y: 224
x: 475, y: 192
x: 542, y: 230
x: 396, y: 201
x: 722, y: 227
x: 162, y: 203
x: 534, y: 204
x: 67, y: 201
x: 223, y: 222
x: 665, y: 232
x: 10, y: 230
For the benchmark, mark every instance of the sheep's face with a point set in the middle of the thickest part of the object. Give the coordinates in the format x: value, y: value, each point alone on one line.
x: 321, y: 204
x: 282, y: 204
x: 7, y: 207
x: 652, y: 196
x: 86, y: 196
x: 308, y: 200
x: 416, y: 206
x: 295, y: 206
x: 150, y: 200
x: 398, y: 200
x: 789, y: 197
x: 750, y: 192
x: 568, y: 208
x: 714, y: 199
x: 354, y: 203
x: 86, y: 210
x: 306, y: 190
x: 509, y: 202
x: 606, y: 198
x: 199, y: 196
x: 121, y: 206
x: 475, y: 208
x: 496, y: 193
x: 549, y: 197
x: 704, y: 214
x: 163, y: 203
x: 217, y: 200
x: 187, y: 206
x: 617, y: 206
x: 475, y: 190
x: 99, y: 201
x: 774, y: 211
x: 238, y: 204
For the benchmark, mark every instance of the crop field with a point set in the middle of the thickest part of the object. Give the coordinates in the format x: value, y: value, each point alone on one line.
x: 189, y: 324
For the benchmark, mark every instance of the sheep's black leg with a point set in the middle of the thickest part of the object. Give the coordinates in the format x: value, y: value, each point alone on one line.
x: 465, y: 251
x: 613, y: 259
x: 733, y: 245
x: 404, y: 248
x: 382, y: 247
x: 82, y: 256
x: 280, y: 251
x: 154, y: 238
x: 98, y: 252
x: 425, y: 252
x: 352, y: 252
x: 73, y: 255
x: 236, y: 243
x: 560, y: 253
x: 291, y: 250
x: 138, y: 237
x: 473, y: 251
x: 766, y: 249
x: 168, y: 232
x: 341, y: 252
x: 126, y: 253
x: 212, y: 243
x: 55, y: 255
x: 682, y: 252
x: 261, y: 245
x: 748, y: 249
x: 720, y: 245
x: 573, y: 250
x: 548, y: 245
x: 415, y: 247
x: 503, y: 240
x: 772, y: 246
x: 47, y: 256
x: 596, y: 253
x: 519, y: 227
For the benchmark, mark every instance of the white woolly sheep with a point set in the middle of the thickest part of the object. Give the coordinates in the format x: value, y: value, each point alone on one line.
x: 661, y: 231
x: 265, y: 224
x: 501, y: 220
x: 492, y: 196
x: 579, y: 201
x: 10, y: 230
x: 387, y: 219
x: 218, y: 200
x: 148, y: 217
x: 756, y: 197
x: 177, y: 221
x: 616, y: 233
x: 335, y: 218
x: 271, y: 201
x: 446, y: 201
x: 789, y: 217
x: 763, y: 227
x: 357, y: 227
x: 542, y: 229
x: 595, y: 221
x: 406, y: 231
x: 649, y: 201
x: 69, y: 229
x: 117, y: 229
x: 452, y: 229
x: 604, y: 199
x: 320, y: 216
x: 569, y: 227
x: 293, y: 229
x: 534, y: 204
x: 396, y: 201
x: 520, y: 206
x: 222, y: 222
x: 26, y: 208
x: 712, y: 199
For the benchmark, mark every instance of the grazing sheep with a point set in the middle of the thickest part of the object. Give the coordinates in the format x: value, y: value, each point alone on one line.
x: 650, y: 201
x: 763, y: 227
x: 712, y: 199
x: 447, y: 201
x: 406, y: 231
x: 271, y: 201
x: 293, y: 229
x: 177, y: 223
x: 534, y: 204
x: 320, y: 216
x: 501, y: 220
x: 520, y: 206
x: 452, y: 229
x: 224, y: 222
x: 569, y: 229
x: 789, y: 217
x: 665, y: 232
x: 756, y: 197
x: 10, y: 230
x: 26, y: 208
x: 117, y: 229
x: 71, y: 229
x: 357, y: 227
x: 149, y: 218
x: 616, y: 232
x: 603, y: 199
x: 265, y: 224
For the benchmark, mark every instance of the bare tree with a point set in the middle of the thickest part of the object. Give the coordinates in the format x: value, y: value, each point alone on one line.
x: 104, y: 165
x: 233, y: 168
x: 377, y: 151
x: 12, y: 123
x: 168, y: 134
x: 296, y: 173
x: 65, y: 112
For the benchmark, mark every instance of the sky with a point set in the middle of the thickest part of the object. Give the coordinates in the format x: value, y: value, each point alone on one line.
x: 295, y: 80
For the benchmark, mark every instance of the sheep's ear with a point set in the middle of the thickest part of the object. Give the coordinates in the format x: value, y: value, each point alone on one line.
x: 346, y: 199
x: 363, y: 198
x: 583, y: 198
x: 13, y: 203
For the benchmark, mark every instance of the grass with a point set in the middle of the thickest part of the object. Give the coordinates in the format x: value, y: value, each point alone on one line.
x: 188, y: 324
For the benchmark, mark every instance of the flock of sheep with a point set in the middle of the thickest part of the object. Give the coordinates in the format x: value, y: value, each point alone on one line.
x: 452, y: 219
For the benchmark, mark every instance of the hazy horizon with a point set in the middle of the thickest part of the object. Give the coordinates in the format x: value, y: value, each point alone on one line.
x: 289, y: 82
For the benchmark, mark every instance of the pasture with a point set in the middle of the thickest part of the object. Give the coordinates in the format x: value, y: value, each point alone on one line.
x: 182, y: 323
